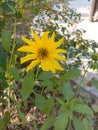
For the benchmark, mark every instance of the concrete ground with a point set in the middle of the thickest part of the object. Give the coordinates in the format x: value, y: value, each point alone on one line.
x: 83, y: 6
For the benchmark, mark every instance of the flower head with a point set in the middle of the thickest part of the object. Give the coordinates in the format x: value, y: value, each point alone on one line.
x: 44, y: 51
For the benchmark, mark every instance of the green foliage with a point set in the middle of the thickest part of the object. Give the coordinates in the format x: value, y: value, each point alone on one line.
x: 6, y: 40
x: 67, y: 91
x: 78, y: 124
x: 14, y: 72
x: 3, y: 58
x: 71, y: 74
x: 27, y: 85
x: 61, y: 121
x: 21, y: 114
x: 87, y: 123
x: 45, y: 76
x: 5, y: 120
x: 94, y: 56
x: 48, y: 123
x: 84, y: 109
x: 45, y: 105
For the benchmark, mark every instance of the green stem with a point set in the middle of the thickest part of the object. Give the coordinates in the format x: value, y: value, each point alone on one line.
x: 9, y: 95
x: 37, y: 72
x: 69, y: 125
x: 36, y: 78
x: 9, y: 64
x: 13, y: 47
x: 83, y: 77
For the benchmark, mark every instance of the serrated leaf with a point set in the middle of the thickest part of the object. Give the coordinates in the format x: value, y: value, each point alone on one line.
x: 27, y: 85
x: 84, y: 109
x: 43, y: 104
x: 71, y: 74
x: 48, y: 123
x: 45, y: 76
x: 67, y: 91
x: 78, y: 124
x: 6, y: 40
x: 15, y: 73
x: 61, y: 122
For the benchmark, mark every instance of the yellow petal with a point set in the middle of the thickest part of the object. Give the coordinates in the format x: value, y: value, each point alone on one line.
x: 59, y: 57
x: 56, y: 65
x: 52, y: 37
x: 27, y: 49
x: 28, y: 57
x: 32, y: 65
x: 58, y: 43
x: 46, y: 66
x: 45, y: 36
x: 60, y: 51
x: 36, y: 37
x: 28, y: 41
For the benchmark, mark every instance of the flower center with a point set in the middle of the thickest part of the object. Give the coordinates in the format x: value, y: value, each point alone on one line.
x: 43, y: 53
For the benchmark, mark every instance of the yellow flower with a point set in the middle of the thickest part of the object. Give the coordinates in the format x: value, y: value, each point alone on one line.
x: 44, y: 51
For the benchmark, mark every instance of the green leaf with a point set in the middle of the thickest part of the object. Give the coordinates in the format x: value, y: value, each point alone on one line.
x: 94, y: 56
x: 87, y: 124
x: 27, y: 85
x: 21, y: 114
x: 6, y: 40
x: 60, y: 101
x: 94, y: 65
x: 5, y: 120
x: 45, y: 76
x: 48, y: 84
x: 3, y: 58
x: 3, y: 80
x: 71, y: 74
x: 15, y: 73
x: 67, y: 91
x: 95, y: 82
x: 43, y: 104
x: 95, y: 108
x: 78, y: 124
x: 5, y: 5
x: 48, y: 123
x: 84, y: 109
x: 2, y: 23
x: 61, y: 122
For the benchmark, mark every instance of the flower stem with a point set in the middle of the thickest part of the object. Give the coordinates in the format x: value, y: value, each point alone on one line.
x: 69, y: 125
x: 9, y: 65
x: 37, y: 72
x: 13, y: 47
x: 83, y: 77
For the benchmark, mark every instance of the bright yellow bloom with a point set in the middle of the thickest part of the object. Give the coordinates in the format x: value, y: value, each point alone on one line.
x: 44, y: 51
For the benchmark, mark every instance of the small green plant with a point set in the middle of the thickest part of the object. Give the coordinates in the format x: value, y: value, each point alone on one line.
x: 62, y: 106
